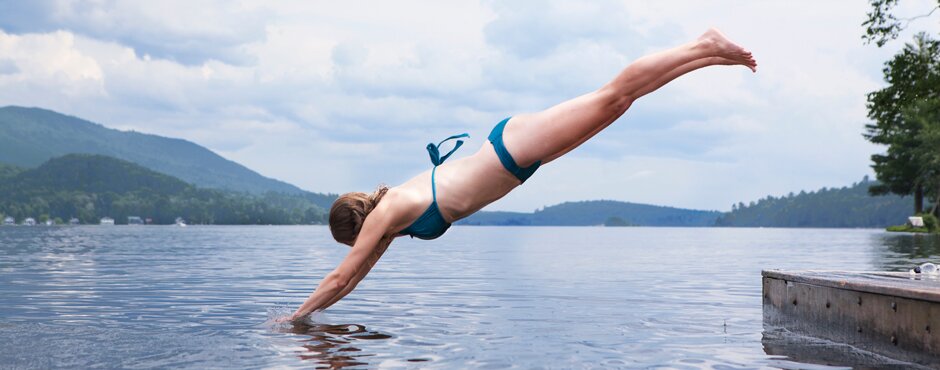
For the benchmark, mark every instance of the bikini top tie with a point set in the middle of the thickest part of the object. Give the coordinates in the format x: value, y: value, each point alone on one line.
x: 435, y: 153
x: 431, y: 224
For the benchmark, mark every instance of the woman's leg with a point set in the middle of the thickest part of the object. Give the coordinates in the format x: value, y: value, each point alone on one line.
x: 555, y: 131
x: 653, y: 86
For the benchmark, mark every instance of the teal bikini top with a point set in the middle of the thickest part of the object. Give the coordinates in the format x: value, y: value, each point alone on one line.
x: 431, y: 224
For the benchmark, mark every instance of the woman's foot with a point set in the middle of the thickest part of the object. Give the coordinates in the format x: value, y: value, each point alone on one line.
x: 727, y: 51
x: 722, y: 61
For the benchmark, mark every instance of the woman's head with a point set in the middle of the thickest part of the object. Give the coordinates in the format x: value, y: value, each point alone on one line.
x: 349, y: 211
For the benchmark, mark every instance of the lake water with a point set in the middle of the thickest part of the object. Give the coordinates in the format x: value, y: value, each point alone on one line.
x: 479, y: 297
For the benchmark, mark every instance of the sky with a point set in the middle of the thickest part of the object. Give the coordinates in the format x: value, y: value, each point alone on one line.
x: 343, y: 96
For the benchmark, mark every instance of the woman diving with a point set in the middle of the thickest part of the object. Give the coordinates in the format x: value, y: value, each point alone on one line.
x: 426, y: 205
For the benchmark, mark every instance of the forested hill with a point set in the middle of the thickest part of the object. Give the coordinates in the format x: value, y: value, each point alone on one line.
x: 31, y: 136
x: 7, y: 170
x: 89, y: 187
x: 598, y: 212
x: 849, y: 206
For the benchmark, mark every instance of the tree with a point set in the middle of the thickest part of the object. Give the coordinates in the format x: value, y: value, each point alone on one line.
x: 912, y: 75
x: 882, y: 26
x: 926, y: 114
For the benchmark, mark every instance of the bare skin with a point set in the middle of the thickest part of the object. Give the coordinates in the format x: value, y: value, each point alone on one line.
x: 466, y: 185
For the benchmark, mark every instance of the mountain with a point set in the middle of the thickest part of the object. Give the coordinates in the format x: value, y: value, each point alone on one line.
x: 90, y: 186
x: 849, y: 206
x: 597, y: 212
x: 31, y: 136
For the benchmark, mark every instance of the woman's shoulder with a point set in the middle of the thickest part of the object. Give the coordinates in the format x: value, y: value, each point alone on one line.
x: 393, y: 210
x: 399, y: 197
x: 400, y: 206
x: 398, y: 200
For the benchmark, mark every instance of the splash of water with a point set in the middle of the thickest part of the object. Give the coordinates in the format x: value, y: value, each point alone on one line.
x: 279, y: 318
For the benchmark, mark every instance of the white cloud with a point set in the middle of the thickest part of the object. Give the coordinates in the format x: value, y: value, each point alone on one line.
x: 8, y: 67
x: 336, y: 97
x: 182, y: 31
x: 47, y: 65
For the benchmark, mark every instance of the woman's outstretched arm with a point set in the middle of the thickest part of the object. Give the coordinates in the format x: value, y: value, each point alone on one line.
x: 369, y: 246
x: 370, y: 262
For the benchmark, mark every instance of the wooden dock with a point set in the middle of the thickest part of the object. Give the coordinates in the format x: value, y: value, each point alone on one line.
x: 889, y: 313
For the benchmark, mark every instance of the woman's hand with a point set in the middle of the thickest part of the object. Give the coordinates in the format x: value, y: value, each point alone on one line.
x: 296, y: 319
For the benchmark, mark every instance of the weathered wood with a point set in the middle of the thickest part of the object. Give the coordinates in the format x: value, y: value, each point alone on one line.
x: 898, y: 284
x: 893, y: 314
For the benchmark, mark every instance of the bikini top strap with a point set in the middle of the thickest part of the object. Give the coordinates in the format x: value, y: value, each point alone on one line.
x: 433, y: 185
x: 434, y: 150
x: 435, y: 153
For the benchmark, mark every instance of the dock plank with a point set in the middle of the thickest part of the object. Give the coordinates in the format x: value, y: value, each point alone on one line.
x: 898, y: 284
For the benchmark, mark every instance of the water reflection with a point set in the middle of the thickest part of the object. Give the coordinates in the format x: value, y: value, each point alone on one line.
x: 335, y: 345
x: 902, y: 251
x: 794, y: 351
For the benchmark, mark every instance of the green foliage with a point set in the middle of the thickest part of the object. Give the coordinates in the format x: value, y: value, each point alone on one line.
x: 907, y: 229
x: 7, y: 170
x: 882, y: 26
x: 845, y: 207
x: 597, y: 212
x: 925, y: 114
x: 89, y: 187
x: 31, y: 136
x: 913, y: 76
x: 930, y: 221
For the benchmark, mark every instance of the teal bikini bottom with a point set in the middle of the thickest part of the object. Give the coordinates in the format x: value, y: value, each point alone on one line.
x: 496, y: 138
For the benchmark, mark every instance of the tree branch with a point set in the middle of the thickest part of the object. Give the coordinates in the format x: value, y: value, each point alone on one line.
x: 882, y: 26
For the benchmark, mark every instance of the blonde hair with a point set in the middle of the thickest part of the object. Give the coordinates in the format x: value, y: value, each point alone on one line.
x: 349, y: 211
